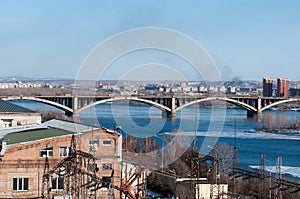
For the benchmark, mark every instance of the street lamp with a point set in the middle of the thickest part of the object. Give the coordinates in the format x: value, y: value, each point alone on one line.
x: 162, y: 152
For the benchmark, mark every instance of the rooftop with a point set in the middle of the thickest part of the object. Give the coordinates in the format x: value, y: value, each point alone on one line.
x: 7, y: 107
x: 70, y: 126
x: 31, y: 135
x: 52, y: 128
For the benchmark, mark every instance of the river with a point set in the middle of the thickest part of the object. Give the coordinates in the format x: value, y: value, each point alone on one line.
x: 143, y: 121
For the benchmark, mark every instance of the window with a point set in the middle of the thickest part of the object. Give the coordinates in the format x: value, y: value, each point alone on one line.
x: 92, y: 167
x: 47, y: 152
x: 106, y: 181
x: 106, y: 142
x: 93, y: 144
x: 107, y: 166
x: 57, y: 183
x: 7, y: 123
x: 20, y: 184
x: 64, y: 151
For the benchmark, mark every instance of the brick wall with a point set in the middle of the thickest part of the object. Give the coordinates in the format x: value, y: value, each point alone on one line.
x: 24, y: 161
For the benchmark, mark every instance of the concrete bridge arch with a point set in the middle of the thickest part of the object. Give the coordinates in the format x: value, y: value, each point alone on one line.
x: 280, y: 102
x: 232, y: 101
x: 145, y: 101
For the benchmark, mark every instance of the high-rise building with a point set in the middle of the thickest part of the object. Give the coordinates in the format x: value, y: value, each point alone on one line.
x: 282, y: 87
x: 267, y: 87
x: 294, y: 92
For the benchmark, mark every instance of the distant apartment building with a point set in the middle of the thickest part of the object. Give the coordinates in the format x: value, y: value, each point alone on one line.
x: 231, y: 90
x: 12, y: 115
x: 282, y: 87
x: 294, y: 92
x: 202, y: 89
x: 183, y: 84
x: 19, y: 84
x: 267, y: 87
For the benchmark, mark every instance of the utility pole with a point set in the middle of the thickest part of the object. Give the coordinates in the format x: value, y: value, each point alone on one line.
x: 215, y: 188
x: 262, y: 176
x: 278, y: 178
x: 235, y: 159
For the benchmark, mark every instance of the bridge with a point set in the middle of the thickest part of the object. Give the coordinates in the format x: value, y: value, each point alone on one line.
x: 168, y: 104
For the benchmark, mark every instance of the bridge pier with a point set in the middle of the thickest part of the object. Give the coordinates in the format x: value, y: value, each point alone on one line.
x: 254, y: 115
x: 167, y: 114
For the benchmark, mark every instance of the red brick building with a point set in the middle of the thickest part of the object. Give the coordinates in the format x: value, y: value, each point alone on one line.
x: 282, y: 87
x: 267, y: 87
x: 32, y: 154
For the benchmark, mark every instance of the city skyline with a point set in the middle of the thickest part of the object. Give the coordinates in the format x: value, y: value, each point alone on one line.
x: 246, y: 40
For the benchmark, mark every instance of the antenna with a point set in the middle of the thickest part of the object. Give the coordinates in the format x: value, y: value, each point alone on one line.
x: 235, y: 148
x: 195, y: 130
x: 234, y: 133
x: 195, y: 157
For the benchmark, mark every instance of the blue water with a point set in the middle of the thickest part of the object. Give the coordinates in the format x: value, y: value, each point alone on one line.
x: 144, y: 121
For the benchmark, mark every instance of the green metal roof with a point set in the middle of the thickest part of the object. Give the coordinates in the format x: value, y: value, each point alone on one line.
x: 7, y: 107
x: 26, y: 136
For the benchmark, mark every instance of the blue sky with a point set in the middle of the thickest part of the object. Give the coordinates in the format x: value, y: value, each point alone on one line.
x: 246, y: 39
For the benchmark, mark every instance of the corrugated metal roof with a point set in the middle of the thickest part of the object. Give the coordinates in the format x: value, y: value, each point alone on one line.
x: 7, y: 107
x: 68, y: 126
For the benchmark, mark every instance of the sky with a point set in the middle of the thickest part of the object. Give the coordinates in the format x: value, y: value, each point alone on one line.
x: 247, y: 40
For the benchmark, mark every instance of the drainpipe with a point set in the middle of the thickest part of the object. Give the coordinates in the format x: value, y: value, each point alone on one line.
x: 3, y: 149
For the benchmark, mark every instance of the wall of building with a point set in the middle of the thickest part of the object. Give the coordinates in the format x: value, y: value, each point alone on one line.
x: 20, y: 119
x: 267, y: 87
x: 294, y: 92
x: 104, y: 154
x: 282, y: 87
x: 24, y: 161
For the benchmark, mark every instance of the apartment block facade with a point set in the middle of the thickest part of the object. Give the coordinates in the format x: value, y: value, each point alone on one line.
x: 282, y: 87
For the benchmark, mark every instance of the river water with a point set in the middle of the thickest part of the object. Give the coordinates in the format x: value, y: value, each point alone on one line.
x: 142, y: 121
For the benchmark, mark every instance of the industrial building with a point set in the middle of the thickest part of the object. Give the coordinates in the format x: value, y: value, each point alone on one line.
x: 12, y: 115
x: 61, y: 159
x: 199, y: 188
